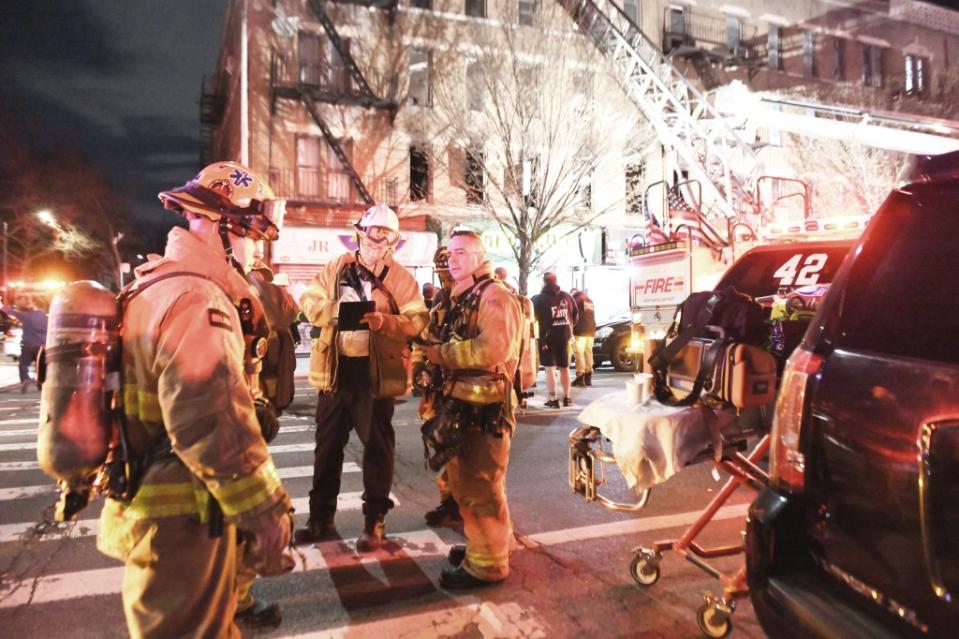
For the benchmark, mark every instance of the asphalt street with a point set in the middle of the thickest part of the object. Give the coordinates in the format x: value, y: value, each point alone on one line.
x: 570, y: 563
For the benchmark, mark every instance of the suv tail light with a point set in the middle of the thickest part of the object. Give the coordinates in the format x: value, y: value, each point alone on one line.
x: 787, y: 464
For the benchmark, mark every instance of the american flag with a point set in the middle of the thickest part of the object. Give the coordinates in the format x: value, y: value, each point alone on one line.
x: 689, y: 221
x: 654, y: 232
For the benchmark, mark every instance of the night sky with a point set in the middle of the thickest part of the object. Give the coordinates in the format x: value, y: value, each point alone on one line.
x: 117, y: 80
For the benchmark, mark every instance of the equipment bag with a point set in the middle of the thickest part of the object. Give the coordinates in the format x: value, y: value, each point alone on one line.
x: 706, y: 325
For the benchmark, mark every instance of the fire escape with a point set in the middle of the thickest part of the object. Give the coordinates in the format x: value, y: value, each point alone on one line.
x: 311, y: 91
x: 684, y: 120
x: 212, y: 103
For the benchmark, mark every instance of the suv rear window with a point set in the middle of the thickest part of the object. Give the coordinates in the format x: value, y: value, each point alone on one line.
x: 901, y: 296
x: 762, y: 272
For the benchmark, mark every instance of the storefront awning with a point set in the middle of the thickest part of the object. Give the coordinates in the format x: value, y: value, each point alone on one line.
x: 320, y: 245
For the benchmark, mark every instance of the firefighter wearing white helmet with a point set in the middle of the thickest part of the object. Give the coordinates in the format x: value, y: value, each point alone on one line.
x: 359, y: 370
x: 191, y: 420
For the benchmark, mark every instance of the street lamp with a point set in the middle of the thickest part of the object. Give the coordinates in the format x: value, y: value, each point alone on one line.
x: 47, y: 218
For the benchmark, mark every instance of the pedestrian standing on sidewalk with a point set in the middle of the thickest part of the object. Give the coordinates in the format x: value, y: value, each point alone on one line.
x: 33, y: 321
x: 351, y: 396
x: 583, y: 334
x: 556, y: 314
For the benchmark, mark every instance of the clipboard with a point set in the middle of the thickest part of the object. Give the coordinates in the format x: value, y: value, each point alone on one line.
x: 351, y: 313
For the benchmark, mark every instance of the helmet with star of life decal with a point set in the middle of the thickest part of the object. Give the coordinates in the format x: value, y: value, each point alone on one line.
x: 233, y: 193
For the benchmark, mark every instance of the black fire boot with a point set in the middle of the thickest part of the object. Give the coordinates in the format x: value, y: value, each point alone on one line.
x: 446, y: 514
x: 456, y: 555
x: 589, y: 379
x: 579, y: 380
x: 316, y: 530
x: 459, y: 579
x: 374, y: 531
x: 260, y: 615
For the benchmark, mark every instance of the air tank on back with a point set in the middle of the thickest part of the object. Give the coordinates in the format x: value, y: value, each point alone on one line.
x: 75, y: 402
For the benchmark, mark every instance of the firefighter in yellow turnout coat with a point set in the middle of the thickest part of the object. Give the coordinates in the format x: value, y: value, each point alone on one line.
x: 190, y: 417
x: 480, y: 361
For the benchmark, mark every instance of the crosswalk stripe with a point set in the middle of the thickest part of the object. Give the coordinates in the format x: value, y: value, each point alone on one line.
x: 11, y: 422
x: 12, y: 466
x: 630, y: 526
x: 24, y: 492
x: 483, y: 618
x: 282, y: 448
x: 89, y: 527
x: 331, y: 555
x: 19, y: 432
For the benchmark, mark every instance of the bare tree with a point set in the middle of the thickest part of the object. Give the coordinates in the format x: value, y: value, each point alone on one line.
x: 526, y: 138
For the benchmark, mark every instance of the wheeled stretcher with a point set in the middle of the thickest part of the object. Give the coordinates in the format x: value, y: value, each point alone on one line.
x: 652, y: 443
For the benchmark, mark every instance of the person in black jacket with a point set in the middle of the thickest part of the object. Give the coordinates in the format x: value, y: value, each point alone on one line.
x: 583, y: 334
x: 556, y: 314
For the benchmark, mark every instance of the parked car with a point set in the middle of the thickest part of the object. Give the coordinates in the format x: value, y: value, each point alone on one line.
x: 856, y: 535
x: 612, y: 344
x: 11, y: 334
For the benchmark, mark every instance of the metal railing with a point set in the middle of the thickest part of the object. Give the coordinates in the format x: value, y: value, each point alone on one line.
x: 709, y: 32
x: 312, y: 184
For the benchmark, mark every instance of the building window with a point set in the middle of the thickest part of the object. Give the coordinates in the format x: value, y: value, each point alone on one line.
x: 337, y: 78
x: 582, y: 93
x: 734, y: 33
x: 475, y: 86
x: 774, y: 45
x: 839, y: 58
x: 319, y: 172
x: 419, y: 174
x: 635, y: 183
x: 476, y: 8
x: 311, y: 58
x: 473, y: 177
x: 420, y: 91
x: 809, y: 53
x: 521, y: 179
x: 321, y: 64
x: 631, y: 9
x: 421, y: 4
x: 309, y: 166
x: 676, y: 36
x: 525, y: 10
x: 871, y: 66
x: 339, y: 185
x: 915, y: 75
x: 584, y: 193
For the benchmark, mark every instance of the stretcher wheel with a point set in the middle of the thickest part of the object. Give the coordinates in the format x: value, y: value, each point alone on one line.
x: 713, y: 621
x: 644, y: 570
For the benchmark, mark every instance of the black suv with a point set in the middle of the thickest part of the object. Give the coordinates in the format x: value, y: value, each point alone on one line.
x: 858, y: 533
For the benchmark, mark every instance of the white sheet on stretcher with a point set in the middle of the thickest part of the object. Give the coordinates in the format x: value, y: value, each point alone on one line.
x: 651, y: 442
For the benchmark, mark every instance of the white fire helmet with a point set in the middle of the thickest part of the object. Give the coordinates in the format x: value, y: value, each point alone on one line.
x: 234, y: 193
x: 380, y: 223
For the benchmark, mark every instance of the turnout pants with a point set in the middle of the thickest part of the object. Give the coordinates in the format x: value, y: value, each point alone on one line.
x: 179, y: 582
x: 352, y: 407
x: 584, y: 354
x: 477, y: 479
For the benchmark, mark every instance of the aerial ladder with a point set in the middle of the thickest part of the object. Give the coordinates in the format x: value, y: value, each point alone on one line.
x: 685, y: 121
x: 706, y: 133
x: 310, y: 94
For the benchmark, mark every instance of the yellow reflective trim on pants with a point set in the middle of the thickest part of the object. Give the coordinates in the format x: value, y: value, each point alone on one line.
x: 240, y: 495
x: 486, y: 561
x: 144, y: 405
x: 163, y: 500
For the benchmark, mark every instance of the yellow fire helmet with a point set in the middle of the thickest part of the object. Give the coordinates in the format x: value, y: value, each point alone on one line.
x: 232, y: 193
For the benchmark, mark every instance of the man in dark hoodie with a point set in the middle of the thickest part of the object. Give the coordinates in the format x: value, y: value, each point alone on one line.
x: 556, y: 314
